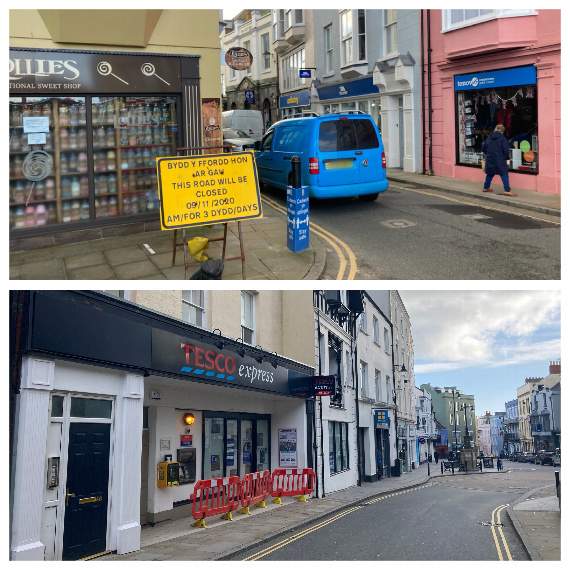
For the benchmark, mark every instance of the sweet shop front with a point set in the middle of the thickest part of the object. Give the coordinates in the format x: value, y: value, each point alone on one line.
x: 85, y: 128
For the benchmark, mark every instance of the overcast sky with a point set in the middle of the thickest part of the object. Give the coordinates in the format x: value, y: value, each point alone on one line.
x: 484, y: 342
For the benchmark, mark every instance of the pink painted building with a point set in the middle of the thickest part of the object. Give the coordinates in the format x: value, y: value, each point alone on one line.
x: 484, y: 67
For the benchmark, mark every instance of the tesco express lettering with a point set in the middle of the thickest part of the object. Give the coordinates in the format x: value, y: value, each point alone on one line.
x: 223, y: 364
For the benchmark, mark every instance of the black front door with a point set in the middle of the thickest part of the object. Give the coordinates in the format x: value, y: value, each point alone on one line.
x: 85, y: 527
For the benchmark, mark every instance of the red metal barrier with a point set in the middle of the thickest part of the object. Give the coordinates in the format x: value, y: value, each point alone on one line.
x: 214, y: 497
x: 292, y: 483
x: 255, y: 487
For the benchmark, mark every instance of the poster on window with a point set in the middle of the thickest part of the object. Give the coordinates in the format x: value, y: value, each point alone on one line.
x: 288, y: 447
x: 211, y: 122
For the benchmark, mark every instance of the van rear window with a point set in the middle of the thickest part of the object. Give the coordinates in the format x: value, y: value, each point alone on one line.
x: 347, y: 134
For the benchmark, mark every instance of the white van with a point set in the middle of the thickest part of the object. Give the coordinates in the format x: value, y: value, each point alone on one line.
x: 249, y: 121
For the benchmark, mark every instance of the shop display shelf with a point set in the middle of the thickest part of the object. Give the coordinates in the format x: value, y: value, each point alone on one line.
x: 96, y: 148
x: 97, y: 172
x: 147, y: 125
x: 31, y: 202
x: 74, y: 173
x: 144, y: 145
x: 138, y: 168
x: 72, y: 126
x: 106, y: 194
x: 66, y: 198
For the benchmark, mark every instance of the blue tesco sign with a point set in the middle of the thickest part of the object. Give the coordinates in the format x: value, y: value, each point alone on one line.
x: 297, y: 218
x: 512, y: 77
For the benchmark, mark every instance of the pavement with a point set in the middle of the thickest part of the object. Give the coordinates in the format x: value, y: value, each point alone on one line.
x: 178, y: 540
x: 525, y: 199
x: 536, y: 518
x: 148, y: 255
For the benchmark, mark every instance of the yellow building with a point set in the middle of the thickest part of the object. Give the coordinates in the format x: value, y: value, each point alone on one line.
x: 523, y: 401
x: 102, y: 93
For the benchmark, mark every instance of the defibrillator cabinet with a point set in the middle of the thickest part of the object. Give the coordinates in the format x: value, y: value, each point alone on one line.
x: 168, y: 473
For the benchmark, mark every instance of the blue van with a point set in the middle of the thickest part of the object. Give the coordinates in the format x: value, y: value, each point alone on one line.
x: 342, y: 155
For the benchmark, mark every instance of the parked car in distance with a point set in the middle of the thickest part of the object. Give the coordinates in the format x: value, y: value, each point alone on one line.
x: 516, y: 456
x: 527, y: 457
x: 237, y: 140
x: 249, y: 121
x: 544, y: 457
x: 342, y: 155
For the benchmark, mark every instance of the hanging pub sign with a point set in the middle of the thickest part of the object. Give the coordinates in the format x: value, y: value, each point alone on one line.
x: 311, y: 386
x: 209, y: 189
x: 238, y: 58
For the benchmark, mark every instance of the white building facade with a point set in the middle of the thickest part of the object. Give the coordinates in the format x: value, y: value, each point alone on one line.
x: 376, y: 418
x: 337, y: 461
x: 129, y: 383
x: 258, y: 86
x: 425, y: 425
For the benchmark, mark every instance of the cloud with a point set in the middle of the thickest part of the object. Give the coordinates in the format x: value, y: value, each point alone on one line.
x: 459, y: 329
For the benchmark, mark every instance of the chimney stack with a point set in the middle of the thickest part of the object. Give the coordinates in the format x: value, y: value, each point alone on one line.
x: 554, y: 367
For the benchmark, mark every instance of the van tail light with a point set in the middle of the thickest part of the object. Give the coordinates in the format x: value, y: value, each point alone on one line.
x: 383, y: 160
x: 313, y: 165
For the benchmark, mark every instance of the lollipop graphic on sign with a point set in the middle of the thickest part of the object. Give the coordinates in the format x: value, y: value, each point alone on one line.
x: 149, y: 70
x: 104, y: 68
x: 37, y: 165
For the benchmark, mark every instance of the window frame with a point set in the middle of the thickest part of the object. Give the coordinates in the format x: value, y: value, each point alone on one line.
x: 340, y: 429
x: 265, y: 51
x: 447, y: 26
x: 328, y: 48
x: 192, y: 305
x: 376, y: 330
x: 346, y: 40
x: 361, y: 35
x: 244, y: 325
x: 363, y: 369
x: 392, y: 26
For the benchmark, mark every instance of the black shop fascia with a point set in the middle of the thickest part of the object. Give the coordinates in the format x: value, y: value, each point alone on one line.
x: 97, y: 329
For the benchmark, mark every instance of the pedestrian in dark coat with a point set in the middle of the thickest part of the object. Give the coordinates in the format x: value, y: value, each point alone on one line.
x: 436, y: 456
x: 499, y: 464
x: 496, y: 151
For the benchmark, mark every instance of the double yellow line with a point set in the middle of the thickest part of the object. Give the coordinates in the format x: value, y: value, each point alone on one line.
x: 496, y: 521
x: 270, y: 549
x: 277, y: 546
x: 348, y: 266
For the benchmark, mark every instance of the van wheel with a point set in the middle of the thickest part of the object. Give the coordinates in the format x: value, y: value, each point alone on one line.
x: 369, y: 197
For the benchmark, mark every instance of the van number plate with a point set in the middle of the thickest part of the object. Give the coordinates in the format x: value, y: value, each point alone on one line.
x: 339, y: 164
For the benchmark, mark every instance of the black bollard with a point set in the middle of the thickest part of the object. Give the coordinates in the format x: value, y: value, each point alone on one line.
x: 442, y: 467
x: 296, y: 172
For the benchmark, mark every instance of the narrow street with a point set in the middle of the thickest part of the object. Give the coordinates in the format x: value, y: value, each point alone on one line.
x: 409, y: 234
x: 446, y: 519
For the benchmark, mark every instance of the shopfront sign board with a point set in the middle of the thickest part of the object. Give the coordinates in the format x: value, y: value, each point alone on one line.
x: 65, y: 71
x: 210, y: 189
x: 511, y: 77
x: 288, y: 447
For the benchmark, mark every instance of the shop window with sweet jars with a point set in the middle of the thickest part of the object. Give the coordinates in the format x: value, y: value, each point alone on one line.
x: 76, y: 159
x: 480, y: 111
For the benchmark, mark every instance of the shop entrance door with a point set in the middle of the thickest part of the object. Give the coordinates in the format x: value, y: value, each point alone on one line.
x: 235, y: 444
x: 246, y: 461
x: 86, y: 497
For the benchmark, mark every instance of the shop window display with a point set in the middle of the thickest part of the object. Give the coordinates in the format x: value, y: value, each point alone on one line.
x: 478, y: 112
x: 121, y: 142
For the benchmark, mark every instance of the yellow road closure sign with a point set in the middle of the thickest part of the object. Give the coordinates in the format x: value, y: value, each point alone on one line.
x: 209, y: 189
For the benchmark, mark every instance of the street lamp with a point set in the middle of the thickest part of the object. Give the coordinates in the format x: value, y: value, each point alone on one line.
x: 454, y: 423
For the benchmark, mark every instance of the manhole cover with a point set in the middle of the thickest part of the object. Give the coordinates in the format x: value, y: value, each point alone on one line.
x: 398, y: 224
